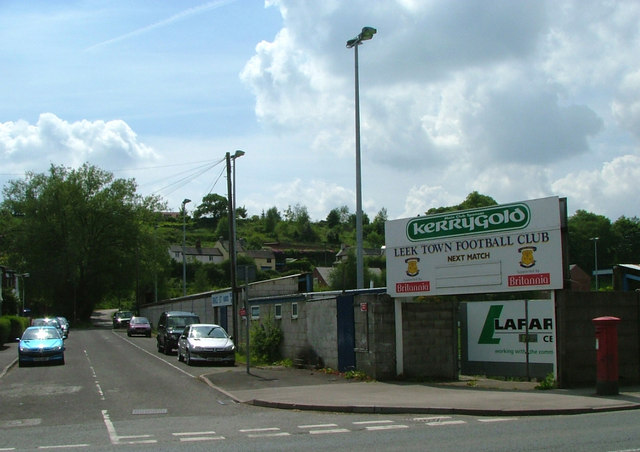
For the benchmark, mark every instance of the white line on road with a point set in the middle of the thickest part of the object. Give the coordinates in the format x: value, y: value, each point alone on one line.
x: 317, y: 426
x: 498, y: 419
x: 372, y: 422
x: 62, y: 446
x: 373, y: 428
x: 328, y: 431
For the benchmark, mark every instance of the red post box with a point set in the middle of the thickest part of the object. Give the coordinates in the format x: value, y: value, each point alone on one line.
x: 607, y: 354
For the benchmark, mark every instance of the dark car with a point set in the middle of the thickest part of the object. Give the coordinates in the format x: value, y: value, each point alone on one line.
x: 139, y: 326
x: 170, y: 326
x: 122, y: 318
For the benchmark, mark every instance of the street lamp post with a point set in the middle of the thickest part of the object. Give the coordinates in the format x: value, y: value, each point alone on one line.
x: 595, y: 257
x: 24, y: 290
x: 231, y: 193
x: 366, y: 34
x: 184, y: 246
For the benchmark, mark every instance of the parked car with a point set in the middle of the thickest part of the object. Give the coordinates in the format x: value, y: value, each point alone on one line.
x: 170, y: 326
x: 48, y: 321
x: 206, y: 342
x: 122, y: 318
x: 139, y: 326
x: 64, y: 323
x: 40, y: 344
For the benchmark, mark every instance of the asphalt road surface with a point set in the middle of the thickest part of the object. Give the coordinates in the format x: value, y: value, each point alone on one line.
x: 119, y: 393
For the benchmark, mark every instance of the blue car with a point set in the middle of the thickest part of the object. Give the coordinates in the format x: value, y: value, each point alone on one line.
x: 40, y: 344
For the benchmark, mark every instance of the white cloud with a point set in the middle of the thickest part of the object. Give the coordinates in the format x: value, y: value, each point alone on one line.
x: 614, y: 186
x: 25, y: 146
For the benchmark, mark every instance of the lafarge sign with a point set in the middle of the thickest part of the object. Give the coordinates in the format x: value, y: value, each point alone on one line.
x: 509, y: 247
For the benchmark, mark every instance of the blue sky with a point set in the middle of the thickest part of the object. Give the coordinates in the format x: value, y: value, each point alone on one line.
x: 515, y: 100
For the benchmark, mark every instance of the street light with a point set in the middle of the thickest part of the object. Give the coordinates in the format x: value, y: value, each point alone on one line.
x: 184, y: 249
x: 231, y: 193
x: 366, y: 34
x: 24, y: 289
x: 595, y: 253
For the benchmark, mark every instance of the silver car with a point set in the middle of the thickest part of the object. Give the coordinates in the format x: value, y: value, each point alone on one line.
x: 206, y: 342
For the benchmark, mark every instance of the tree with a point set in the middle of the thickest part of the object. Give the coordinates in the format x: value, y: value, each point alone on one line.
x: 627, y: 240
x: 472, y: 201
x: 83, y: 237
x: 271, y: 219
x: 583, y: 228
x: 212, y: 207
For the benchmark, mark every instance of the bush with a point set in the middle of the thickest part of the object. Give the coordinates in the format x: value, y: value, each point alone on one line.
x: 265, y: 341
x: 5, y: 330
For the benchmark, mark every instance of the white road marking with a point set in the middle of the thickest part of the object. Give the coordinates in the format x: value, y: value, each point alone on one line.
x: 430, y: 419
x: 317, y: 426
x: 329, y: 431
x: 437, y: 424
x: 198, y: 436
x: 268, y: 435
x: 115, y: 439
x: 266, y: 429
x: 498, y: 419
x: 373, y: 428
x: 62, y: 446
x: 373, y: 422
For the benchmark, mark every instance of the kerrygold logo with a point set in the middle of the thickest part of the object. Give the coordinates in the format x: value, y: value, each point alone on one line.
x: 478, y: 221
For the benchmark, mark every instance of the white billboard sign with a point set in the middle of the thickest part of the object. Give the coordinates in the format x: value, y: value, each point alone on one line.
x: 501, y: 331
x: 504, y: 248
x: 221, y: 299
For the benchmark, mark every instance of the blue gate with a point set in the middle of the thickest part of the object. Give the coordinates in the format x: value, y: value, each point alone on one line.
x: 346, y: 333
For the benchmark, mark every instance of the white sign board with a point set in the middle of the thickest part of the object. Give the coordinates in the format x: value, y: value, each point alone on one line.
x: 499, y: 331
x: 221, y: 299
x: 505, y: 248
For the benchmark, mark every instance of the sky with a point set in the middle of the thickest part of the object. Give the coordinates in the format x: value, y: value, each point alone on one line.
x: 516, y: 100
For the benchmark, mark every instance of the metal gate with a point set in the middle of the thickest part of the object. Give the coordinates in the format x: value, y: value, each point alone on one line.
x: 346, y: 333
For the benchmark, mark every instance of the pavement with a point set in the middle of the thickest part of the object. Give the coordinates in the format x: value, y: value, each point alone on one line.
x: 311, y: 389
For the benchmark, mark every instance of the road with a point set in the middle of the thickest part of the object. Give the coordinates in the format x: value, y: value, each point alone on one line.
x: 119, y: 393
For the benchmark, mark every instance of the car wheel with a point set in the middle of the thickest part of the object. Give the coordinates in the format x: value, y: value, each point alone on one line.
x: 179, y: 354
x: 187, y: 358
x: 159, y: 347
x: 129, y: 333
x: 148, y: 334
x: 62, y: 361
x: 22, y: 364
x: 167, y: 349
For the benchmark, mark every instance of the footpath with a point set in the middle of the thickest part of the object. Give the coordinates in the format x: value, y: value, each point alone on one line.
x: 305, y: 389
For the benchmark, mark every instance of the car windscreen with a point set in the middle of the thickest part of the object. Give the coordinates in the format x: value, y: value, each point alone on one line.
x: 40, y: 334
x: 139, y: 320
x: 208, y: 331
x: 181, y: 322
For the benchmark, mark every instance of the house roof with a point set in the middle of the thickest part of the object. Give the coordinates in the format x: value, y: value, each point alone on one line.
x: 196, y: 251
x: 260, y: 254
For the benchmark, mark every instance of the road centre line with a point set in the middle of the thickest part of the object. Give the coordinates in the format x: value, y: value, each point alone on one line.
x: 265, y: 429
x: 193, y: 433
x: 268, y: 435
x: 437, y: 424
x: 430, y: 419
x: 198, y: 436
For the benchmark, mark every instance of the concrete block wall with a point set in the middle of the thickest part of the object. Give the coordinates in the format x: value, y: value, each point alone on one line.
x: 375, y: 336
x: 430, y: 339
